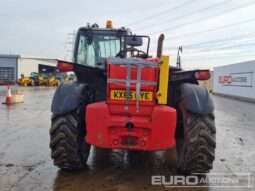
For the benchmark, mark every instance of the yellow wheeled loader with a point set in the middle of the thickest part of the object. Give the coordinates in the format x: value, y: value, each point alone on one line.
x: 28, y: 80
x: 42, y: 79
x: 53, y: 81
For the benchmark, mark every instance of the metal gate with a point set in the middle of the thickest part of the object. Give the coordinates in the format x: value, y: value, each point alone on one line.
x: 6, y: 75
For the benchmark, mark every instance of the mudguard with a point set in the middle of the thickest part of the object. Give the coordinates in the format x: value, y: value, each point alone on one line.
x: 68, y: 96
x: 197, y: 99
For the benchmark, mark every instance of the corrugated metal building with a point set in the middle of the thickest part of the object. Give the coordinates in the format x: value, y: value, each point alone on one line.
x: 8, y: 68
x: 26, y: 65
x: 235, y: 80
x: 12, y: 66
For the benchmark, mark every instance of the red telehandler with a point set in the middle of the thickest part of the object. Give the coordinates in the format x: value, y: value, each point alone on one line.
x: 125, y: 99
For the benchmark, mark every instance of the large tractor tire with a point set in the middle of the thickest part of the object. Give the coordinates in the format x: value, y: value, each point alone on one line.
x: 69, y: 149
x: 195, y: 142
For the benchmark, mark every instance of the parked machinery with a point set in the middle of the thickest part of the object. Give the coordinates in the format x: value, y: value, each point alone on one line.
x: 71, y: 77
x: 28, y: 80
x: 54, y: 80
x: 42, y: 79
x: 124, y: 99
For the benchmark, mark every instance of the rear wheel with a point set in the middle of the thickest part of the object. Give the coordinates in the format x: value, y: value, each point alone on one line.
x: 197, y: 142
x: 32, y: 82
x: 48, y: 83
x: 37, y: 82
x: 69, y: 149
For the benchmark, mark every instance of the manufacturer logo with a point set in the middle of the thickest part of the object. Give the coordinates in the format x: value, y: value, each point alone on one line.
x: 236, y: 79
x: 237, y: 180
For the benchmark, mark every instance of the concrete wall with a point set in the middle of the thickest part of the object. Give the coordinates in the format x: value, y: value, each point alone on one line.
x: 28, y: 65
x: 235, y: 80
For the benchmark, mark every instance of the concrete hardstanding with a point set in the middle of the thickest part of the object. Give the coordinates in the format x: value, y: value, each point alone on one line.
x: 25, y: 162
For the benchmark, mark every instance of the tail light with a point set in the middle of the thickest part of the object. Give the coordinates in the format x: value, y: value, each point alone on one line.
x: 202, y: 75
x: 65, y: 66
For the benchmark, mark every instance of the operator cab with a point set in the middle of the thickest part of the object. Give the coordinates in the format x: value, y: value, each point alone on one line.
x: 94, y: 45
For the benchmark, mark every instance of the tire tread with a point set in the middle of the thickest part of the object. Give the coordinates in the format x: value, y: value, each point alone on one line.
x: 67, y: 138
x: 198, y: 151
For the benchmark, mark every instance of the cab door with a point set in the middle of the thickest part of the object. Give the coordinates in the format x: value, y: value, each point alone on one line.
x: 89, y: 69
x: 92, y: 49
x: 94, y: 77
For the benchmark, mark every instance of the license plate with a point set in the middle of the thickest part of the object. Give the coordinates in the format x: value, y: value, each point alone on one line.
x: 122, y: 95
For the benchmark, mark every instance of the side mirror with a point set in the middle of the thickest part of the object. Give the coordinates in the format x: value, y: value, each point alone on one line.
x: 65, y: 66
x: 134, y: 40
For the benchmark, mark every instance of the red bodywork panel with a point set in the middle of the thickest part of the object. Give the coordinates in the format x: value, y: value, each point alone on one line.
x: 155, y: 132
x: 119, y: 124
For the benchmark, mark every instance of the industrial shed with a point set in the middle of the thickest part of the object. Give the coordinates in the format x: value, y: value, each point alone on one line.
x: 12, y: 66
x: 8, y: 68
x: 26, y: 65
x: 235, y: 80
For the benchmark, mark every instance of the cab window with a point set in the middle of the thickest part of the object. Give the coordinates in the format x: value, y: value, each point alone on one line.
x: 93, y: 51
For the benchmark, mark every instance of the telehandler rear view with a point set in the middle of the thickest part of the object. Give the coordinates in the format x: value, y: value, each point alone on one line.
x: 125, y: 99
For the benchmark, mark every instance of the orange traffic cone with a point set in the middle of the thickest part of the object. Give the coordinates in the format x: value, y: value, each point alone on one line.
x: 8, y: 99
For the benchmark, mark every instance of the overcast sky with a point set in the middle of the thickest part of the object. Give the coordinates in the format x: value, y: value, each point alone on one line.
x: 212, y: 32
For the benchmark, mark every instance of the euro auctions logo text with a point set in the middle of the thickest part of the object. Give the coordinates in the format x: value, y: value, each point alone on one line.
x: 236, y: 79
x: 237, y: 180
x: 229, y: 79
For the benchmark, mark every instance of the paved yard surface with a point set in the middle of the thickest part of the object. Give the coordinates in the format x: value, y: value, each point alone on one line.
x: 25, y: 162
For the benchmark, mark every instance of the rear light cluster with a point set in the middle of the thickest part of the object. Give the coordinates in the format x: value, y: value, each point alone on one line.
x: 65, y: 66
x: 202, y: 75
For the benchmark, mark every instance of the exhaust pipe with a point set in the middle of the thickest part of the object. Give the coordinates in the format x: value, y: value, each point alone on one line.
x: 160, y: 45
